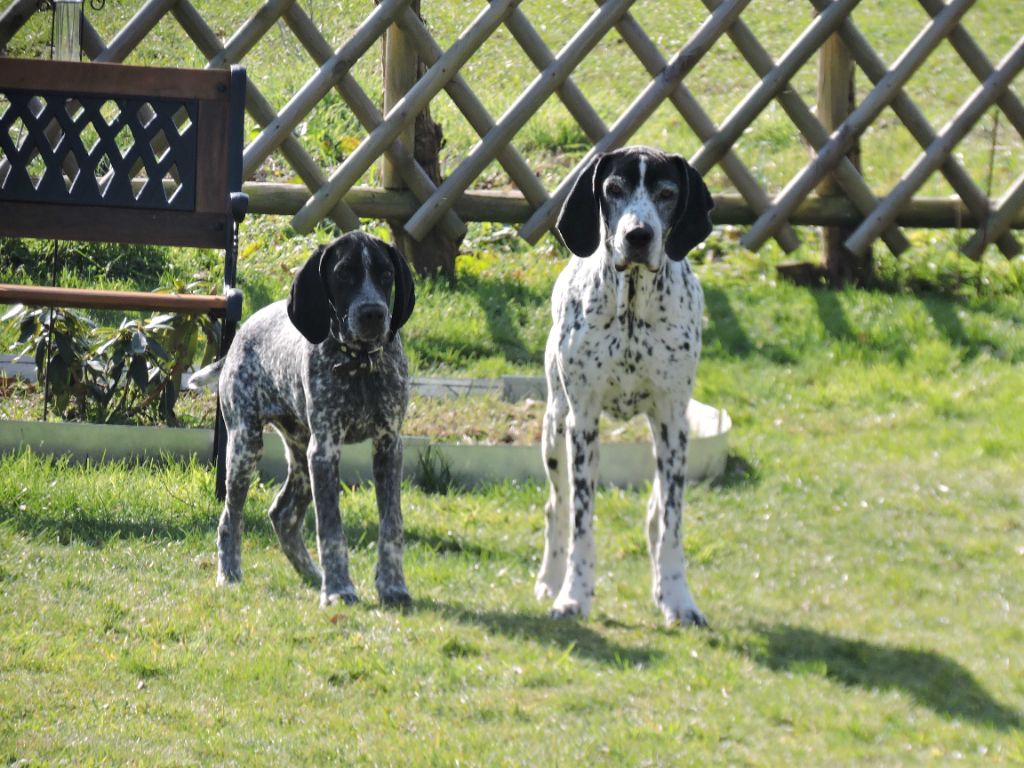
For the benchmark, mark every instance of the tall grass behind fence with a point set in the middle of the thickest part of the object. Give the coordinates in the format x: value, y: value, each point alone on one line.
x: 527, y: 92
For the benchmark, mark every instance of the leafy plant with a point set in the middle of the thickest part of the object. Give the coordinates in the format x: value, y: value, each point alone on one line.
x: 127, y: 373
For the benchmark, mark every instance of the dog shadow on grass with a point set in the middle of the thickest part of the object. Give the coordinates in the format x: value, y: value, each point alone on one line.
x: 931, y: 679
x: 574, y: 637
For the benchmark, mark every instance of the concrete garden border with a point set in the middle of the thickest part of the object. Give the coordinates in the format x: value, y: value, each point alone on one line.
x: 622, y: 464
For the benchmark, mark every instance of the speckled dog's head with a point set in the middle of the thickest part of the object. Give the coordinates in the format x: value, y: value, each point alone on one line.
x: 641, y: 204
x: 344, y: 290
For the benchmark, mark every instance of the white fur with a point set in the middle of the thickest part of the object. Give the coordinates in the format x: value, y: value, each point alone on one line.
x: 625, y: 339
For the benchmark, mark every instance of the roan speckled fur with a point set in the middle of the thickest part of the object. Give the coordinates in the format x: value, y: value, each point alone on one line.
x: 324, y: 368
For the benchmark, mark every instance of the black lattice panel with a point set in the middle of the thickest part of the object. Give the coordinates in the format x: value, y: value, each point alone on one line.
x: 90, y: 150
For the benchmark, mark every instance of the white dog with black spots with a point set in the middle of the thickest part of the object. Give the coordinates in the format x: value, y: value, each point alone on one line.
x: 626, y: 339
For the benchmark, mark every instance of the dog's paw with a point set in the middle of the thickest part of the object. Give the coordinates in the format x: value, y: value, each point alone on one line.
x: 397, y: 597
x: 347, y: 596
x: 229, y: 577
x: 685, y: 617
x: 568, y: 609
x: 542, y: 590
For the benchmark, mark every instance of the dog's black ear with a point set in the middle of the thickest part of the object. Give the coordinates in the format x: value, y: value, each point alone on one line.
x: 579, y: 222
x: 308, y: 307
x: 405, y: 293
x: 692, y: 222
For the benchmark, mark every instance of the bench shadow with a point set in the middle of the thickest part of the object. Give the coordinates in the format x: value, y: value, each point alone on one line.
x: 564, y: 634
x: 931, y: 679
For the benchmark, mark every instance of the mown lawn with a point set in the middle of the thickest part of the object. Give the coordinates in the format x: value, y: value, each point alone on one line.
x: 861, y: 563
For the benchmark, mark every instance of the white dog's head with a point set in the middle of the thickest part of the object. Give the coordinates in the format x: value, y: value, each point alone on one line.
x: 641, y: 204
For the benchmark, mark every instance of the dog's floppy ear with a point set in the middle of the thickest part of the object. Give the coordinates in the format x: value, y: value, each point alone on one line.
x: 692, y: 222
x: 579, y: 223
x: 308, y: 307
x: 405, y: 293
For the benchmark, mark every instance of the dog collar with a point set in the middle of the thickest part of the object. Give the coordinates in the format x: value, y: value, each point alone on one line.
x: 357, y: 359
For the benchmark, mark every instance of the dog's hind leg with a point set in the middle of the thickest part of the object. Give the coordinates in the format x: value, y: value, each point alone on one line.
x: 665, y: 516
x: 556, y: 510
x: 244, y: 447
x: 288, y: 511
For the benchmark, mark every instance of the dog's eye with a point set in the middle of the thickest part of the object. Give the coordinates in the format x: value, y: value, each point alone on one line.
x: 387, y: 274
x: 667, y: 193
x: 614, y: 189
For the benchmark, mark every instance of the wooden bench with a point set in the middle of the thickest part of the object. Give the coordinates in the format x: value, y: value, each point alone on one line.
x: 125, y: 154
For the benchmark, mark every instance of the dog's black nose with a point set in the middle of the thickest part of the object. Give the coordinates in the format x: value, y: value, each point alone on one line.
x: 368, y: 321
x: 640, y: 237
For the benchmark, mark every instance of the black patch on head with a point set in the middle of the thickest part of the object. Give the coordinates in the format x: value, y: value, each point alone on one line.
x: 579, y: 225
x: 308, y: 308
x: 335, y: 273
x: 692, y: 221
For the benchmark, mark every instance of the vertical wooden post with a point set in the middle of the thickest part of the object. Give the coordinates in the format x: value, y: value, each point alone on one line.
x: 400, y: 69
x: 836, y: 98
x: 67, y: 30
x: 435, y: 253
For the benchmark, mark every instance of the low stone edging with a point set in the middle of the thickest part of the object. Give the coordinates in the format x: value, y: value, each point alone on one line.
x: 622, y: 464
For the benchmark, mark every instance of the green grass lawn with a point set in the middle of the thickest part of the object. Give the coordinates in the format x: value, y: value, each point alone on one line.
x: 861, y: 563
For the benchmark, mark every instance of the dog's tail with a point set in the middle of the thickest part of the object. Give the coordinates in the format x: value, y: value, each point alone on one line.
x: 206, y: 378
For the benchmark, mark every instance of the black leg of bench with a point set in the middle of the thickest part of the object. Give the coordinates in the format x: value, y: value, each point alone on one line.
x: 220, y: 436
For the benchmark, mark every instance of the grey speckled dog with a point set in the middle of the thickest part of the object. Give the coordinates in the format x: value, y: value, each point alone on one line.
x: 325, y: 368
x: 625, y: 339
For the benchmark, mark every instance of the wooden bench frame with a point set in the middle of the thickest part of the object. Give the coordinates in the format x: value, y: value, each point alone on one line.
x: 123, y: 154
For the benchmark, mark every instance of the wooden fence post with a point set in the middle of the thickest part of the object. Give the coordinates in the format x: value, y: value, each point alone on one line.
x: 67, y: 30
x: 435, y: 253
x: 835, y: 102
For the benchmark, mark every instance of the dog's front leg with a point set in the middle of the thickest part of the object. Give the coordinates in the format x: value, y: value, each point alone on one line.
x: 556, y: 511
x: 665, y: 517
x: 578, y: 587
x: 323, y: 456
x: 387, y: 478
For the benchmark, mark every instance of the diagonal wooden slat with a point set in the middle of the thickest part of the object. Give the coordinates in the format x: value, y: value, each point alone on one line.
x: 642, y: 107
x: 999, y: 222
x: 366, y: 112
x: 702, y: 125
x: 944, y: 143
x: 978, y: 63
x: 305, y: 166
x: 883, y: 93
x: 403, y: 113
x: 845, y: 173
x: 542, y: 57
x: 772, y: 82
x: 135, y: 31
x: 251, y: 32
x: 516, y: 115
x: 919, y: 127
x: 316, y: 87
x: 14, y: 18
x: 472, y: 109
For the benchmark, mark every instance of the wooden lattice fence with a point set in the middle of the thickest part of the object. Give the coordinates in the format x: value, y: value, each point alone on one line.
x: 830, y: 189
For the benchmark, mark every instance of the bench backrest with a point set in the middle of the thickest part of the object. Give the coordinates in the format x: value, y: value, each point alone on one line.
x: 123, y: 154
